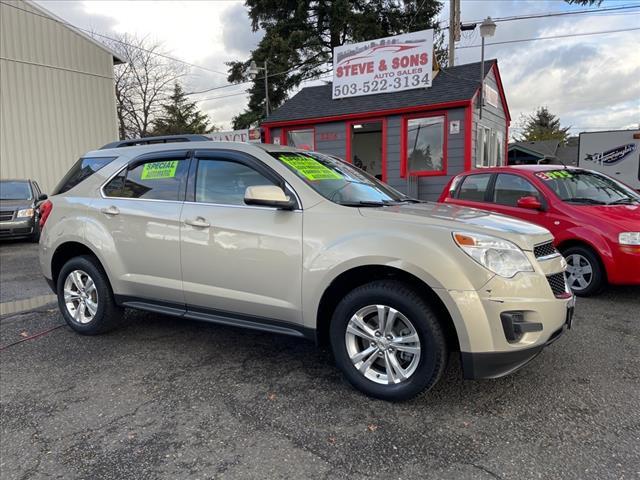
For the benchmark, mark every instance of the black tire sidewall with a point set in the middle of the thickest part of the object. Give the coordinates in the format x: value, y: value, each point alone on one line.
x: 100, y: 321
x: 598, y: 280
x: 433, y: 345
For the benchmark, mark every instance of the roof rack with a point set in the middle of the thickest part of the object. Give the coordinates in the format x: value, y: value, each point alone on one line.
x: 151, y: 140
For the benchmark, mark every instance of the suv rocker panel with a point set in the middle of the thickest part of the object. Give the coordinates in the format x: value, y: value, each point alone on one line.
x: 217, y: 316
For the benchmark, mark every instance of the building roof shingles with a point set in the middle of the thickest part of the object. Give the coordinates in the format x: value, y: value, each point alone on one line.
x: 451, y: 84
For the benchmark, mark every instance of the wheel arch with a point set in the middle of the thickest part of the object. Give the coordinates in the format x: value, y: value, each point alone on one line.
x: 360, y: 275
x: 68, y: 250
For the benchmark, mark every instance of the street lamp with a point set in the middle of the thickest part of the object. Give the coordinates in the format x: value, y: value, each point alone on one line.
x: 487, y: 30
x: 253, y: 71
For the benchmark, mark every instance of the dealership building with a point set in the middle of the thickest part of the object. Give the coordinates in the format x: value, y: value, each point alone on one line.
x: 415, y: 140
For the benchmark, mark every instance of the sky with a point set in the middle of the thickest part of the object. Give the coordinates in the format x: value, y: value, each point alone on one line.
x: 589, y: 82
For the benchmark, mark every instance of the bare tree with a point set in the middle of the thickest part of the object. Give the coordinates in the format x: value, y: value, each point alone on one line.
x: 142, y: 83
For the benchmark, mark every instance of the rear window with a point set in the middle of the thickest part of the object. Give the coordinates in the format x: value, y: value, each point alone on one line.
x: 81, y: 170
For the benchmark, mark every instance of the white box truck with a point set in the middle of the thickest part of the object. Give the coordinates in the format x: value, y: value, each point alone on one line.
x: 615, y: 153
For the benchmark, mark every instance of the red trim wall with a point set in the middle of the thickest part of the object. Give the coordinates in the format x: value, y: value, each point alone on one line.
x: 403, y: 145
x: 468, y: 132
x: 373, y: 114
x: 383, y: 121
x: 503, y: 97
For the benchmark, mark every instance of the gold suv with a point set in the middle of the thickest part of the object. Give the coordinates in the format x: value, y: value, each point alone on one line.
x: 302, y: 243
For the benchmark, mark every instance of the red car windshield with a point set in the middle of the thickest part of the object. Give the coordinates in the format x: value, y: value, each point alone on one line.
x: 587, y: 187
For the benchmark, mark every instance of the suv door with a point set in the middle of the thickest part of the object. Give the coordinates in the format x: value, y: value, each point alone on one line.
x: 138, y: 215
x: 238, y: 258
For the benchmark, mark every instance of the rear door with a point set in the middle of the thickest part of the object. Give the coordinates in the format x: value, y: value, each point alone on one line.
x: 472, y: 191
x: 138, y: 217
x: 238, y: 258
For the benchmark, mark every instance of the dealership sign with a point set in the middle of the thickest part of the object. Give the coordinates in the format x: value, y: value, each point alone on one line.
x: 246, y: 135
x: 386, y: 65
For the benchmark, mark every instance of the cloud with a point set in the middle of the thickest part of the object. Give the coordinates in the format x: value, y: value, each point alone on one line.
x: 237, y: 34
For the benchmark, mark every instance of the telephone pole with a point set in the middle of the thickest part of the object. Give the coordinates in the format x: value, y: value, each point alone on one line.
x: 454, y: 29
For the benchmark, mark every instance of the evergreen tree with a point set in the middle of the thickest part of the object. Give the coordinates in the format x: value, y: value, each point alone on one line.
x: 180, y: 116
x: 543, y: 125
x: 300, y: 35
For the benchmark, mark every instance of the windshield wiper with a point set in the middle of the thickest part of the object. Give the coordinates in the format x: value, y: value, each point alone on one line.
x: 624, y: 201
x: 363, y: 204
x: 585, y: 200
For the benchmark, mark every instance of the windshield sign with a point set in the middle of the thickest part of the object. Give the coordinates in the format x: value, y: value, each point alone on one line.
x: 339, y: 181
x: 12, y: 190
x: 589, y: 188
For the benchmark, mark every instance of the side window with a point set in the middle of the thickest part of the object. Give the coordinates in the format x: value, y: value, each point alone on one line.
x: 474, y: 187
x: 154, y: 180
x: 224, y: 182
x: 510, y: 188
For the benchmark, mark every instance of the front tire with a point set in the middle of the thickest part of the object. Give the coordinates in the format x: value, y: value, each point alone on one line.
x: 585, y: 275
x: 85, y: 297
x: 387, y: 341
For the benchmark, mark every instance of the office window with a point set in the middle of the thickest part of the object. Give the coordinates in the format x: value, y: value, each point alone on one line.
x: 425, y: 145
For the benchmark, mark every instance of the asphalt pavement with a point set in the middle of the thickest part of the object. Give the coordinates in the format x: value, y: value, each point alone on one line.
x: 168, y: 398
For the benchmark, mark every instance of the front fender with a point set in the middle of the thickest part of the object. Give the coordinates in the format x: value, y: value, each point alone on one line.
x: 587, y: 235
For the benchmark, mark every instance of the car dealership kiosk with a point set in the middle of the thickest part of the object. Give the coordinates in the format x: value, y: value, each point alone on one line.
x: 415, y: 140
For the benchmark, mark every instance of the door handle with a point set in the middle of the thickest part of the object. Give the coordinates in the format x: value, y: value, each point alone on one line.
x: 198, y: 222
x: 111, y: 210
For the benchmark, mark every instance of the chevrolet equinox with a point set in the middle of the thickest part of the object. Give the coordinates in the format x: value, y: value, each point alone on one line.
x: 301, y: 243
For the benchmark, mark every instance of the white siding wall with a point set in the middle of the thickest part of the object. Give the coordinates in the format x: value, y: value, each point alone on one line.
x: 57, y: 96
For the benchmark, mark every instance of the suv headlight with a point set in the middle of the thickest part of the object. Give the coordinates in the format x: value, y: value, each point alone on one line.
x: 500, y: 256
x: 27, y: 212
x: 629, y: 238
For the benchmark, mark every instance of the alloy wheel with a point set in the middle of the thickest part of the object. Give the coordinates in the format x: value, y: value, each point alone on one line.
x: 80, y: 296
x: 579, y: 272
x: 383, y: 344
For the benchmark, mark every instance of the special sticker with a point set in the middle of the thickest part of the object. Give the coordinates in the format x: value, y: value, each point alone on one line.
x: 157, y: 170
x: 309, y: 167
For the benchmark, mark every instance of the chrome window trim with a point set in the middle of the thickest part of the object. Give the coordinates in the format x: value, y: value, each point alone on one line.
x: 106, y: 197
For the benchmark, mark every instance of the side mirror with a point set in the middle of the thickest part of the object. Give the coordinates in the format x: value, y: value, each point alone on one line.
x: 530, y: 202
x: 268, y: 196
x: 42, y: 197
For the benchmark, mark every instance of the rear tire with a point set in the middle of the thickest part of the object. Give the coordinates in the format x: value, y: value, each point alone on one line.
x: 85, y: 297
x: 585, y: 275
x: 363, y: 346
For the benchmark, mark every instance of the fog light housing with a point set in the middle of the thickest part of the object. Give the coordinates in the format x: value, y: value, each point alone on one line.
x: 515, y: 326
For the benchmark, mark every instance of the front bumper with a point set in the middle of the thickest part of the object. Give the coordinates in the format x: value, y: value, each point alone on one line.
x: 17, y: 228
x: 476, y: 366
x: 624, y: 266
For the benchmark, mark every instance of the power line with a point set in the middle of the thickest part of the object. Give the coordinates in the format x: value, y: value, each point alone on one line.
x: 551, y: 37
x: 560, y: 14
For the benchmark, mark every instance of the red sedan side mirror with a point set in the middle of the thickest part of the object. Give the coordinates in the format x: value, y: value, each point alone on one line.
x: 530, y: 202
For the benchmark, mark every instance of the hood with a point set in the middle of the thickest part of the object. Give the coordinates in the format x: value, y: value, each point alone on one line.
x: 15, y: 204
x: 454, y: 217
x: 625, y: 217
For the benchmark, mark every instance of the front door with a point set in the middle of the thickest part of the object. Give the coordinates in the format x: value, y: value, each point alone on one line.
x: 238, y: 258
x: 139, y: 215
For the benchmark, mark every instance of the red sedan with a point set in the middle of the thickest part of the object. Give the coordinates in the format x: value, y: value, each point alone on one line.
x: 594, y: 218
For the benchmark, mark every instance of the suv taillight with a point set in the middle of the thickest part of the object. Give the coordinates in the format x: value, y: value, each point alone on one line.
x: 45, y: 211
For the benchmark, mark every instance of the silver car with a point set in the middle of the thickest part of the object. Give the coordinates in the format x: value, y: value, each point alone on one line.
x: 304, y: 244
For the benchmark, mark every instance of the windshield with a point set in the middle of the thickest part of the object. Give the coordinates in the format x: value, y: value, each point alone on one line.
x: 15, y: 190
x: 339, y: 181
x: 588, y: 188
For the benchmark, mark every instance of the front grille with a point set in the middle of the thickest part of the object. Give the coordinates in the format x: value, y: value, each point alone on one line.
x: 6, y: 216
x: 558, y: 283
x: 544, y: 250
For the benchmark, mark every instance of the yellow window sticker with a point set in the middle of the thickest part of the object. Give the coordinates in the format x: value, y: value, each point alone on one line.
x: 309, y: 167
x: 157, y: 170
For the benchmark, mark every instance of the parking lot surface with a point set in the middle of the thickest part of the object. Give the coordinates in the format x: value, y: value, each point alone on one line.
x: 167, y: 398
